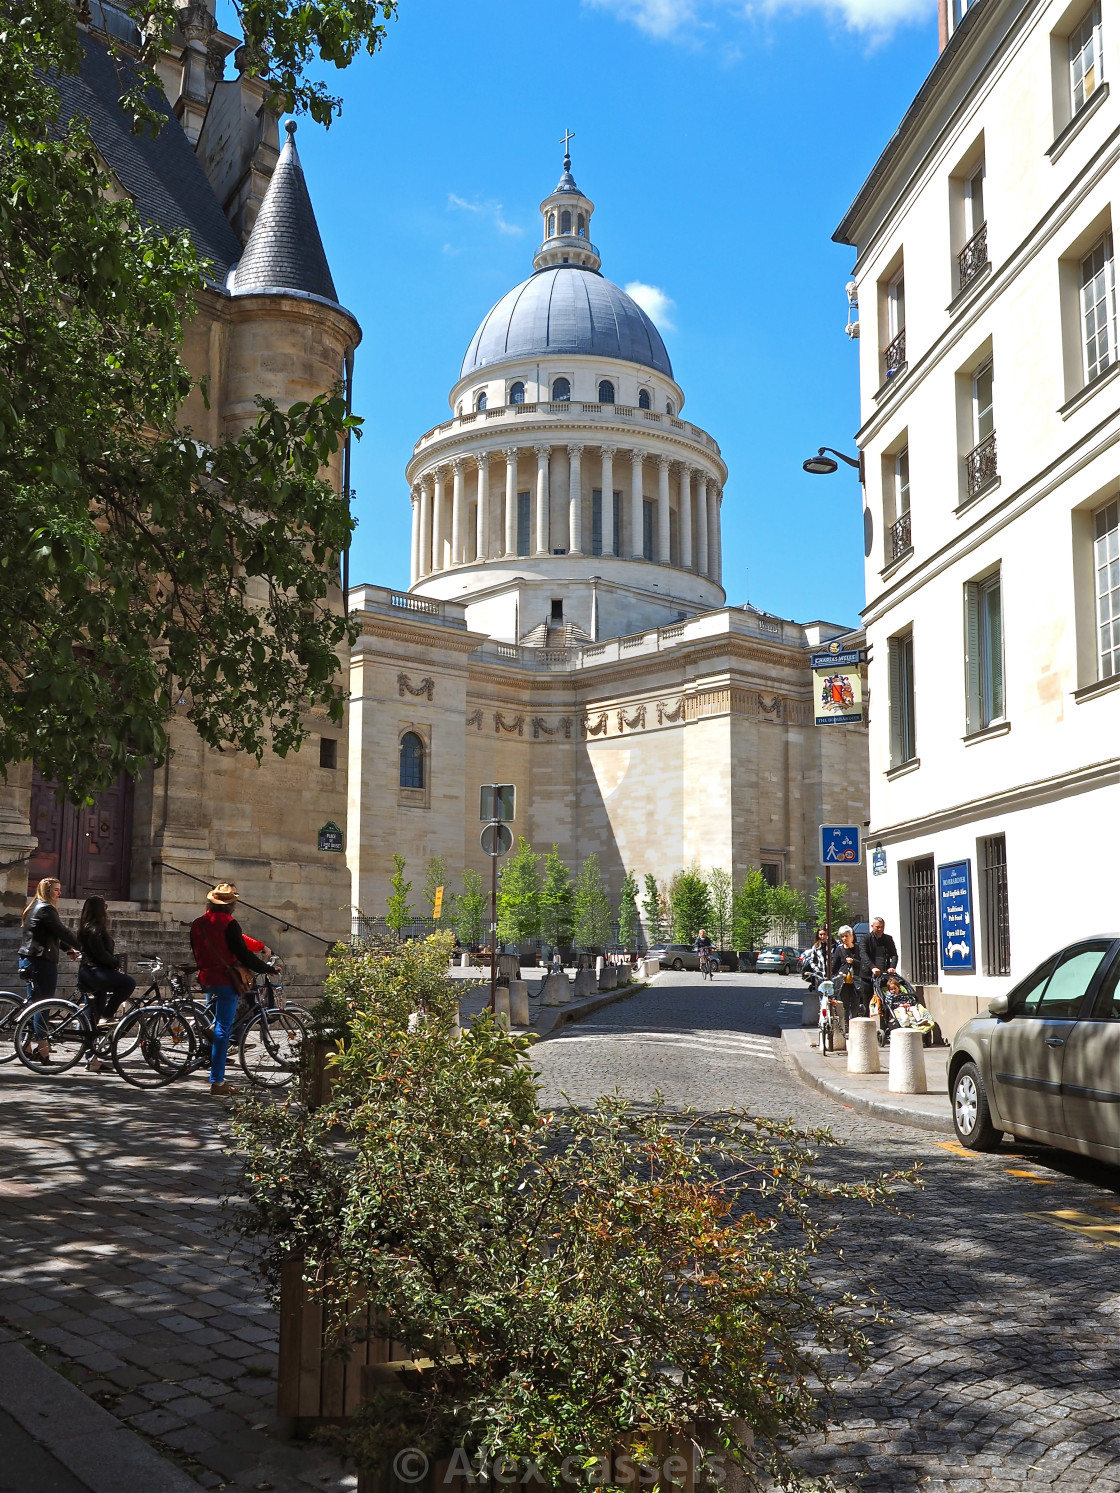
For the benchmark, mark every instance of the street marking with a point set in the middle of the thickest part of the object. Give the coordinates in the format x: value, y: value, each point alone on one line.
x: 1082, y: 1223
x: 955, y: 1148
x: 1013, y: 1171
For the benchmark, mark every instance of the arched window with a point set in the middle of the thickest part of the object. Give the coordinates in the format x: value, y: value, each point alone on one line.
x: 565, y: 221
x: 643, y: 399
x: 561, y: 389
x: 669, y: 410
x: 581, y: 226
x: 517, y: 393
x: 551, y: 224
x: 480, y: 402
x: 459, y: 408
x: 412, y: 761
x: 606, y: 391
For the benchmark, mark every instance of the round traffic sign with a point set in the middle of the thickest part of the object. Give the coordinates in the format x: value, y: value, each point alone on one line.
x: 496, y: 839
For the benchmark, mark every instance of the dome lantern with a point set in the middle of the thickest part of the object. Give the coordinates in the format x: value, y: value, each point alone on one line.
x: 566, y: 223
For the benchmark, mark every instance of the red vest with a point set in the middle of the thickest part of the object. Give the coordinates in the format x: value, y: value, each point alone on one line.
x: 211, y: 952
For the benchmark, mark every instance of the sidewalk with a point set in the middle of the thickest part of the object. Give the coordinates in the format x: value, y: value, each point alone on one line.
x: 868, y: 1092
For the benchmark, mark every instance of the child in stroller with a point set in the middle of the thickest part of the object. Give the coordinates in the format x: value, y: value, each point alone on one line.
x: 896, y: 1004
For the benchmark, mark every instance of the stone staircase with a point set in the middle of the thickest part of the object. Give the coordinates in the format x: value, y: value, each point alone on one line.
x: 138, y: 935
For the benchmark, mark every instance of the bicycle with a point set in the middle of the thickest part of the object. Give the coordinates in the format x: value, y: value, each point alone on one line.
x: 10, y: 1007
x: 829, y: 1018
x: 709, y: 964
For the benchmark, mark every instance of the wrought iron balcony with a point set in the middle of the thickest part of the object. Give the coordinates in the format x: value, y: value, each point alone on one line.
x: 981, y: 465
x: 974, y: 256
x: 898, y: 538
x: 894, y: 357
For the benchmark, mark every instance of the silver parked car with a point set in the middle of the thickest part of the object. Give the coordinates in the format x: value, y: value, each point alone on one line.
x: 1044, y: 1064
x: 678, y: 956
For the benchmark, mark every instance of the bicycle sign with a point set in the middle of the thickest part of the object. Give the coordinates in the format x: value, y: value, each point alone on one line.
x: 840, y: 845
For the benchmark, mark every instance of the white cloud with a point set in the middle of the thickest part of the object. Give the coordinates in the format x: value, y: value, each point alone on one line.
x: 654, y: 302
x: 492, y: 210
x: 859, y: 15
x: 683, y: 20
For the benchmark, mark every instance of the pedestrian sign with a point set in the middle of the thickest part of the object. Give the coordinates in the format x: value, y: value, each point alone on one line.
x: 840, y: 845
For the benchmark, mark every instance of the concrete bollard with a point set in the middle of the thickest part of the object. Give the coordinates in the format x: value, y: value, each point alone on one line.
x: 863, y: 1045
x: 907, y: 1065
x: 555, y: 990
x: 811, y: 1010
x: 501, y: 1005
x: 650, y: 967
x: 464, y: 961
x: 622, y: 975
x: 608, y: 977
x: 519, y: 1002
x: 599, y: 964
x: 586, y: 984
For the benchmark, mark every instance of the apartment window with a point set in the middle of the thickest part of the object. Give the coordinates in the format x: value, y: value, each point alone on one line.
x: 524, y: 521
x: 894, y: 354
x: 974, y: 256
x: 328, y: 751
x: 984, y: 651
x: 517, y: 393
x: 1085, y: 56
x: 898, y: 533
x: 597, y: 522
x: 1106, y: 557
x: 1098, y: 308
x: 412, y: 761
x: 561, y: 390
x: 643, y: 399
x: 900, y: 662
x: 647, y: 529
x: 981, y: 460
x: 997, y: 923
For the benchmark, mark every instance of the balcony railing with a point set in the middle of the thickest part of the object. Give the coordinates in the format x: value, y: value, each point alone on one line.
x: 577, y: 410
x: 973, y: 257
x: 894, y: 357
x: 980, y: 464
x: 898, y: 538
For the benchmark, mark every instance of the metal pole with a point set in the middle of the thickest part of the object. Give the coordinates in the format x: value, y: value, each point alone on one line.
x: 493, y: 925
x: 828, y: 922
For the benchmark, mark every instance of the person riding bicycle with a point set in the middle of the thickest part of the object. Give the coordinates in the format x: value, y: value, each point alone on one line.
x: 221, y: 953
x: 703, y: 947
x: 38, y: 954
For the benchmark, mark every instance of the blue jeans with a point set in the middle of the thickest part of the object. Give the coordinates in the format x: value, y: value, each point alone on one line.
x: 223, y: 1000
x: 42, y: 983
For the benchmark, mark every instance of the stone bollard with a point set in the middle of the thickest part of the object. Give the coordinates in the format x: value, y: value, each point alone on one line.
x: 586, y: 984
x: 650, y: 967
x: 501, y: 1005
x: 811, y: 1009
x: 600, y: 963
x: 622, y: 975
x: 907, y: 1065
x: 519, y: 1002
x: 456, y: 1025
x: 608, y: 977
x: 464, y: 961
x: 863, y: 1045
x: 555, y: 991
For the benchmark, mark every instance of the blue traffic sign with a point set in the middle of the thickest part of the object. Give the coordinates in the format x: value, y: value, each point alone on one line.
x: 958, y: 943
x: 840, y: 845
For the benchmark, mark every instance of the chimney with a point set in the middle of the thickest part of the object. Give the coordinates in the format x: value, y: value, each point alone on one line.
x: 942, y: 25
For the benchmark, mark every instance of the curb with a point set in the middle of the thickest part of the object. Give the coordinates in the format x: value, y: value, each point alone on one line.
x: 568, y: 1014
x: 901, y: 1113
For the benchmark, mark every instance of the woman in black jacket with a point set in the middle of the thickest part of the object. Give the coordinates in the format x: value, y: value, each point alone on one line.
x: 852, y: 974
x: 38, y: 954
x: 100, y: 969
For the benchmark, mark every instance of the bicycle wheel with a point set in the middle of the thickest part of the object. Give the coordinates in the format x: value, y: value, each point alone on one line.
x: 51, y: 1035
x: 153, y: 1046
x: 10, y: 1008
x: 270, y: 1045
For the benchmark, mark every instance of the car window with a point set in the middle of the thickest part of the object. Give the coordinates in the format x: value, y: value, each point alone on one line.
x: 1062, y: 996
x: 1106, y: 1007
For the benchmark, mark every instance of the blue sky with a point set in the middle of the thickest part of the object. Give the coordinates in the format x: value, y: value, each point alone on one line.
x: 721, y: 142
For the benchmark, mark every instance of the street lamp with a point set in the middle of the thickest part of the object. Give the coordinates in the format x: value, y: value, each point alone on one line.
x: 823, y: 465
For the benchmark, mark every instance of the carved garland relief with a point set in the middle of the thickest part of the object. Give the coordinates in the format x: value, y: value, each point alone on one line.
x: 426, y: 687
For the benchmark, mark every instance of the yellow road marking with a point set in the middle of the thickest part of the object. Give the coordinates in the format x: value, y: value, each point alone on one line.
x: 955, y: 1148
x: 1082, y: 1223
x: 1013, y: 1171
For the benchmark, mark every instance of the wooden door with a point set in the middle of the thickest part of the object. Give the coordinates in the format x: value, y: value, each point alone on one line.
x: 88, y: 848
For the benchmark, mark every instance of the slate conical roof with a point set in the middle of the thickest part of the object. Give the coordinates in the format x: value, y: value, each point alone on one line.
x: 285, y: 251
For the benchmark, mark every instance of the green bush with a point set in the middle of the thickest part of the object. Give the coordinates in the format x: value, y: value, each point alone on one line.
x: 690, y: 905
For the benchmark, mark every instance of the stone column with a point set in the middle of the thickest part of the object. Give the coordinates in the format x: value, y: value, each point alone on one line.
x: 482, y: 509
x: 636, y: 505
x: 713, y: 533
x: 542, y: 453
x: 458, y: 513
x: 664, y: 548
x: 575, y: 501
x: 438, y: 520
x: 414, y: 570
x: 686, y: 517
x: 510, y: 454
x: 426, y: 524
x: 607, y: 480
x: 701, y: 523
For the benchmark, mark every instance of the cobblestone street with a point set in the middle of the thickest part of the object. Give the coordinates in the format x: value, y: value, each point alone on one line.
x: 998, y: 1373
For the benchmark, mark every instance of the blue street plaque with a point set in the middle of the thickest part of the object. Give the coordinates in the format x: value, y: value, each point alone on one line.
x: 840, y: 845
x: 954, y: 891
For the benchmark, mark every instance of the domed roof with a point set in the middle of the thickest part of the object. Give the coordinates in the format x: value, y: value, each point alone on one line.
x: 567, y: 309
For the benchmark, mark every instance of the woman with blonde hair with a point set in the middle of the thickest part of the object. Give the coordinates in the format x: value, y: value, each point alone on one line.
x: 38, y: 954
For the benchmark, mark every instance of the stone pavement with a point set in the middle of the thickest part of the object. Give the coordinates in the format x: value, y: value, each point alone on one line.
x: 868, y: 1092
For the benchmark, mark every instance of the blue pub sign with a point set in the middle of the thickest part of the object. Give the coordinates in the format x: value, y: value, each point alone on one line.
x: 954, y: 892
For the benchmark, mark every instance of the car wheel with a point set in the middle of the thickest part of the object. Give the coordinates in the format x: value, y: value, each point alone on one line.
x: 678, y: 964
x: 972, y: 1118
x: 785, y: 970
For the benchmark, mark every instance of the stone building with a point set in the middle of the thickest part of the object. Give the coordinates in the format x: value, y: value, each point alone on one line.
x: 268, y: 323
x: 566, y: 627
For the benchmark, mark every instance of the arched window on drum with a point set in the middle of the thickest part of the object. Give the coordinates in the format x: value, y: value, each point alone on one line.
x: 561, y: 390
x: 643, y: 399
x: 606, y: 391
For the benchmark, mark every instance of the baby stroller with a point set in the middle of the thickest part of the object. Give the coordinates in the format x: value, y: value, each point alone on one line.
x: 896, y: 1004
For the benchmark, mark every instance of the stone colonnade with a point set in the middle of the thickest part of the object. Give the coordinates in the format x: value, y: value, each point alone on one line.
x: 520, y: 501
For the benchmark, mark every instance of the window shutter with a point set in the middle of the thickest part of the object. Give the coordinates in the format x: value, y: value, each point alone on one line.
x: 894, y: 665
x: 973, y: 714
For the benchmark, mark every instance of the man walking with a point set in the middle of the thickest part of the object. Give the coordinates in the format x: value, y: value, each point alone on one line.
x: 878, y: 948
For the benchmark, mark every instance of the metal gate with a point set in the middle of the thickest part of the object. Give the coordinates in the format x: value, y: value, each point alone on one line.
x: 923, y: 921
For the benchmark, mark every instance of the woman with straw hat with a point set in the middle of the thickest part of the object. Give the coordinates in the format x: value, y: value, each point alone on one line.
x: 219, y: 951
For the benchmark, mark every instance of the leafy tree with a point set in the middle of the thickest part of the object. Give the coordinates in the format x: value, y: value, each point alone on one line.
x: 629, y: 924
x: 841, y: 908
x: 145, y: 573
x: 788, y: 909
x: 591, y: 907
x: 720, y: 888
x: 689, y: 904
x: 556, y: 900
x: 653, y: 909
x: 436, y: 876
x: 470, y: 909
x: 519, y: 894
x: 399, y: 909
x: 750, y: 911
